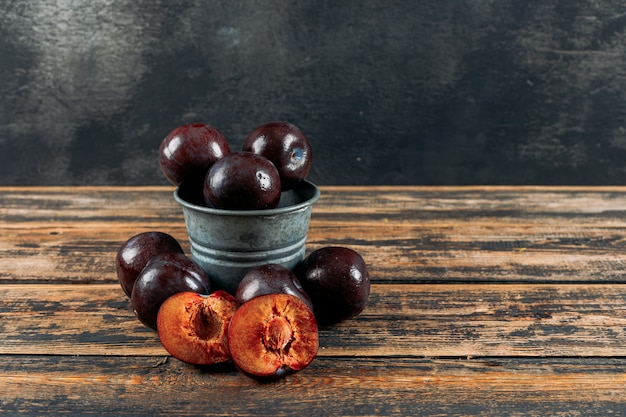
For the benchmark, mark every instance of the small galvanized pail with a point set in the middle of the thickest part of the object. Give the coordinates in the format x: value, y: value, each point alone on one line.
x: 228, y: 243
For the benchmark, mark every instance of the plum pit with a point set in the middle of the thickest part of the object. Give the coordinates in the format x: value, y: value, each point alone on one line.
x: 278, y: 335
x: 205, y: 323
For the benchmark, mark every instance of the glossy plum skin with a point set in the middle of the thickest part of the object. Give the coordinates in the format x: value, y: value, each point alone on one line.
x: 337, y: 280
x: 270, y: 279
x: 193, y: 327
x: 286, y: 146
x: 272, y: 336
x: 137, y: 251
x: 188, y: 152
x: 242, y: 181
x: 165, y: 275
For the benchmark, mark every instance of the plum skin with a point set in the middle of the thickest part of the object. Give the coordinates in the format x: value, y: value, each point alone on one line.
x: 286, y: 146
x: 136, y: 252
x: 165, y: 275
x: 270, y: 279
x: 338, y: 282
x: 188, y: 151
x: 272, y: 336
x: 242, y: 181
x: 194, y: 327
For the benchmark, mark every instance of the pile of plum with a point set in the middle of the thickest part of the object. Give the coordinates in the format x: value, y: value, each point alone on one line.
x: 269, y: 327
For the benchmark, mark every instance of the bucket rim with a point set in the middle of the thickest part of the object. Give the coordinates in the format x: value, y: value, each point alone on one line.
x: 305, y: 186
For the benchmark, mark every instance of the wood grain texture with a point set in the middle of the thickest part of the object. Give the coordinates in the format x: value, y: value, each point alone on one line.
x: 131, y: 386
x: 425, y: 320
x: 485, y: 301
x: 421, y: 234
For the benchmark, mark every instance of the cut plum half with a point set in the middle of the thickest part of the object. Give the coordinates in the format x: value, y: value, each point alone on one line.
x: 193, y: 327
x: 272, y: 336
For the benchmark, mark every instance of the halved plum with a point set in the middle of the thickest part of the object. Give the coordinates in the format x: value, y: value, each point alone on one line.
x: 272, y: 336
x: 193, y: 327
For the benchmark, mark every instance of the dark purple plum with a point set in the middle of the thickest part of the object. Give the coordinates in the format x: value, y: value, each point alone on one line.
x: 188, y: 152
x: 338, y: 282
x: 286, y: 146
x: 137, y: 251
x: 270, y: 279
x: 242, y: 181
x: 165, y: 275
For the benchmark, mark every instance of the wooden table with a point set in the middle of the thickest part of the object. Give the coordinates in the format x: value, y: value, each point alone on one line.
x: 485, y: 301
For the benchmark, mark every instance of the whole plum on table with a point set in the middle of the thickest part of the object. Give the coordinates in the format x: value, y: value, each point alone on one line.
x: 270, y: 279
x: 165, y: 275
x: 136, y: 252
x: 338, y: 282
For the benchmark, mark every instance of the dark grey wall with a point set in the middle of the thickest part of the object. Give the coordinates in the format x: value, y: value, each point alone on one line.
x: 388, y: 92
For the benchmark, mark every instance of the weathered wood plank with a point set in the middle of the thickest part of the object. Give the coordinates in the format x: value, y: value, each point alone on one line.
x: 445, y: 320
x: 390, y: 203
x: 487, y: 301
x: 78, y: 204
x: 136, y: 386
x: 406, y: 234
x: 85, y: 254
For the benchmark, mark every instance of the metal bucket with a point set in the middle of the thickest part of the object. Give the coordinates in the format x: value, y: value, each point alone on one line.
x: 228, y: 243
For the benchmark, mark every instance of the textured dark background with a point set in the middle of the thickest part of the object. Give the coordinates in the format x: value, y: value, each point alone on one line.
x: 388, y: 92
